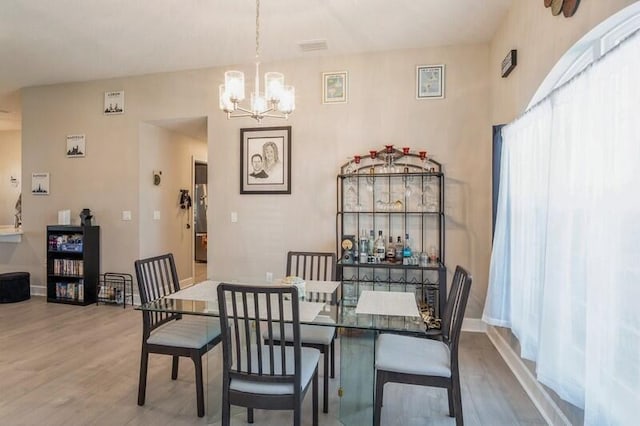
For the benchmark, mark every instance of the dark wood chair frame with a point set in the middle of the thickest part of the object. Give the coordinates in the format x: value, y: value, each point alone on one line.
x: 319, y: 266
x: 157, y: 277
x: 451, y: 327
x: 236, y: 326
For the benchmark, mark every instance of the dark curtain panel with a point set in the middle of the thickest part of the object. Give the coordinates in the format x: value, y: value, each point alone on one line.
x: 495, y: 175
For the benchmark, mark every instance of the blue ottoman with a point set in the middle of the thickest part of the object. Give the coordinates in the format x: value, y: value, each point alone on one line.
x: 14, y: 287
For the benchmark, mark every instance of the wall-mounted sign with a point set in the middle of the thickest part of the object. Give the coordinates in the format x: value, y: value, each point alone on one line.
x: 40, y: 183
x: 509, y: 62
x: 76, y: 146
x: 114, y: 102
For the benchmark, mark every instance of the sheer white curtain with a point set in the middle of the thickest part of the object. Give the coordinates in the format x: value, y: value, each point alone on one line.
x: 565, y: 267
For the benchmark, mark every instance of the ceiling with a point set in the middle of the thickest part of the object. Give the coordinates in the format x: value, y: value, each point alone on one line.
x: 44, y: 42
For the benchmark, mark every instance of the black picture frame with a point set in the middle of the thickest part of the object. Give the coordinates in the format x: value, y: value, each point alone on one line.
x: 265, y: 160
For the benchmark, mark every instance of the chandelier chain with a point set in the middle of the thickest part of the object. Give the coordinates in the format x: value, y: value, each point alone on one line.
x: 257, y: 30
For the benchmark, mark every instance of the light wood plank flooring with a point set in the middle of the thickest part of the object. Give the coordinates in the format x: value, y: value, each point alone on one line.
x: 71, y: 365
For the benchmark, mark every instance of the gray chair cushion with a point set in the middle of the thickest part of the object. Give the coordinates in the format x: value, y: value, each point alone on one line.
x: 412, y: 355
x: 314, y: 334
x: 189, y: 332
x: 309, y: 360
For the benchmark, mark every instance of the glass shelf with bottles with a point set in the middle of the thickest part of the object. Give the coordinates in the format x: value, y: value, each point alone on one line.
x: 390, y: 224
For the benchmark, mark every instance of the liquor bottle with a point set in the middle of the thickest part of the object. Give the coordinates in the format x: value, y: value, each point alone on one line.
x: 399, y: 249
x: 391, y: 250
x: 406, y: 251
x: 381, y: 250
x: 371, y: 244
x: 363, y: 247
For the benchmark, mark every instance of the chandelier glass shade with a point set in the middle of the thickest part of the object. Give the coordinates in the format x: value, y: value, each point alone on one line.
x: 277, y: 100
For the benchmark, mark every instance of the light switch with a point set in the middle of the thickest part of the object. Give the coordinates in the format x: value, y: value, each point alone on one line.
x: 234, y: 217
x: 156, y: 215
x: 126, y: 215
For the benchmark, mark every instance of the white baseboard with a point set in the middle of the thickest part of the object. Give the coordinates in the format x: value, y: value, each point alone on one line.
x: 474, y: 325
x: 38, y: 290
x: 540, y: 397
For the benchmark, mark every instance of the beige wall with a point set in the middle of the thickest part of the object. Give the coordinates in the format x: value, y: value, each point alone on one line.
x: 541, y: 39
x: 10, y: 165
x: 382, y: 109
x: 173, y: 155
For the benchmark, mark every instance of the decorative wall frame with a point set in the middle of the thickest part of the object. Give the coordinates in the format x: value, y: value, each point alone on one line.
x: 114, y: 102
x: 335, y: 87
x: 265, y: 160
x: 76, y: 146
x: 430, y: 82
x: 40, y: 183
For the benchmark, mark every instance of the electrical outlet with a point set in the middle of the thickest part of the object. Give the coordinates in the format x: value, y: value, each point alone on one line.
x: 269, y: 277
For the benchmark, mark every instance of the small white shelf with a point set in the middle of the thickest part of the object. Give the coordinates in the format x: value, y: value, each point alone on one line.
x: 9, y: 234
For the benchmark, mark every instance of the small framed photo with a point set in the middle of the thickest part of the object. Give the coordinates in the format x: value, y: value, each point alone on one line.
x: 430, y: 82
x: 114, y: 102
x: 335, y: 87
x: 265, y: 160
x: 76, y: 146
x: 40, y: 183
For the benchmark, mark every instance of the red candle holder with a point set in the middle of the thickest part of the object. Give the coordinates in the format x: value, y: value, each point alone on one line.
x: 373, y: 154
x: 405, y: 150
x: 423, y: 155
x: 389, y: 149
x: 356, y: 158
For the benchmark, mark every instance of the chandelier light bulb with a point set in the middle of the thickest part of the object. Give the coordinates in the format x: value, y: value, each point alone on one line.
x: 234, y: 85
x: 273, y: 85
x: 225, y: 103
x: 287, y: 102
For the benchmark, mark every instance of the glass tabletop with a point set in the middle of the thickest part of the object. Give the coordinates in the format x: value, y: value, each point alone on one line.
x: 342, y: 316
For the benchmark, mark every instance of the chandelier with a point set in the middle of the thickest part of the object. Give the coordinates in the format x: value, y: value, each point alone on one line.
x: 277, y: 101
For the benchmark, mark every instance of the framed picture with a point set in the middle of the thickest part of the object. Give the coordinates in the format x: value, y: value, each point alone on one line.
x: 430, y: 81
x: 40, y: 183
x: 335, y: 87
x: 114, y: 102
x: 76, y: 146
x: 265, y: 160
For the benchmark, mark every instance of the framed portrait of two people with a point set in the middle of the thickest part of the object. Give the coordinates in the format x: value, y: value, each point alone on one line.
x: 265, y: 160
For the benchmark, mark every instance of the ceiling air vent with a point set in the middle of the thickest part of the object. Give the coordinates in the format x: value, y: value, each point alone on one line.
x: 310, y: 45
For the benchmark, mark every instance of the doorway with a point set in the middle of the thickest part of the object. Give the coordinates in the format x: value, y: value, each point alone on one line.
x: 200, y: 212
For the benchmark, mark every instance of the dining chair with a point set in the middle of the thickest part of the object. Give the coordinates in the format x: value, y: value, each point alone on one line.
x: 263, y: 373
x: 170, y: 333
x: 423, y: 361
x: 318, y: 266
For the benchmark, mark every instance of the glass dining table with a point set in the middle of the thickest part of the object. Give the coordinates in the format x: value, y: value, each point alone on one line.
x: 358, y: 326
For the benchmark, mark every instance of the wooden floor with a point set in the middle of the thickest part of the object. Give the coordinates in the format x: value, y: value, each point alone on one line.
x: 70, y: 365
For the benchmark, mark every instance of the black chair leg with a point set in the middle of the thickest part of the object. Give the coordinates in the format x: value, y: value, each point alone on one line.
x: 450, y: 397
x: 142, y: 384
x: 226, y: 407
x: 174, y: 367
x: 378, y: 399
x: 333, y: 357
x: 197, y: 362
x: 314, y: 395
x: 249, y: 415
x: 457, y: 401
x: 325, y: 395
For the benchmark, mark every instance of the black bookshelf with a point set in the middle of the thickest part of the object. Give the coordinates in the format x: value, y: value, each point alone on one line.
x: 73, y: 264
